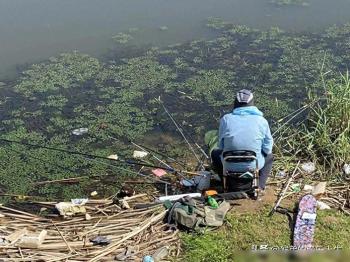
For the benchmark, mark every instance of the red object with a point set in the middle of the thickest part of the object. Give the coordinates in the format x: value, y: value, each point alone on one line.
x: 159, y: 172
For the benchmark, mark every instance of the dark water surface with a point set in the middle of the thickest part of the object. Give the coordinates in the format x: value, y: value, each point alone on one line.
x: 33, y: 30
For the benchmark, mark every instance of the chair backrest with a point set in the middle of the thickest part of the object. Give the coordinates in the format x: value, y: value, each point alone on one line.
x: 238, y: 156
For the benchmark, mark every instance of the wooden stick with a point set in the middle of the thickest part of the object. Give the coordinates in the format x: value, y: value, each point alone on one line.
x: 112, y: 247
x: 65, y: 241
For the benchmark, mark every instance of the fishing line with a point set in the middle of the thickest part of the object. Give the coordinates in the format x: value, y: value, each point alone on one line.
x: 143, y: 149
x: 181, y: 132
x: 127, y: 162
x: 129, y: 171
x: 185, y: 132
x: 295, y: 114
x: 161, y: 154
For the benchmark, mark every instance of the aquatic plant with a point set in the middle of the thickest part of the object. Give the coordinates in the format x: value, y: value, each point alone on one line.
x: 143, y: 73
x: 290, y: 2
x: 122, y: 38
x: 216, y: 23
x: 57, y: 101
x: 212, y: 87
x: 68, y: 71
x: 116, y: 101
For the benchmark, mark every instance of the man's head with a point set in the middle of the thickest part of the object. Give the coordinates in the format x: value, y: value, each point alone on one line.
x: 243, y: 98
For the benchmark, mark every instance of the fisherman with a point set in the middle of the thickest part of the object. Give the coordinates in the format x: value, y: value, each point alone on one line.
x: 245, y: 128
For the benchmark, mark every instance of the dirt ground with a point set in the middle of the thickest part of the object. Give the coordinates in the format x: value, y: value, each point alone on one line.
x: 248, y: 205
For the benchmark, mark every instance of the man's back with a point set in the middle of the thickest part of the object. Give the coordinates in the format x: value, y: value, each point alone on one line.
x: 246, y: 129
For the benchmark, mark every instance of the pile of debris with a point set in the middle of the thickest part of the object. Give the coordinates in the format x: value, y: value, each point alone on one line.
x: 94, y: 230
x: 338, y: 197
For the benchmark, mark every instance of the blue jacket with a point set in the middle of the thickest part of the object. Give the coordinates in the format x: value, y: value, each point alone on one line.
x: 246, y: 129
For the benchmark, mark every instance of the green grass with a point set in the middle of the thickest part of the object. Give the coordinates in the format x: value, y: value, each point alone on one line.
x: 244, y: 230
x: 325, y: 137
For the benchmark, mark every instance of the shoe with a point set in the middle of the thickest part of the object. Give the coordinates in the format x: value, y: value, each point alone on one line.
x: 262, y: 193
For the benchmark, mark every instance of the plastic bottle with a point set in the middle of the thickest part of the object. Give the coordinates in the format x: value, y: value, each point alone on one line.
x: 212, y: 202
x: 161, y: 253
x: 147, y: 259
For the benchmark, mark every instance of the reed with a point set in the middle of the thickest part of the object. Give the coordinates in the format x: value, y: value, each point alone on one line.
x: 324, y: 137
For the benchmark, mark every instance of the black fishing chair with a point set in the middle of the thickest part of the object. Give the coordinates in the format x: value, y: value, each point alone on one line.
x: 241, y: 181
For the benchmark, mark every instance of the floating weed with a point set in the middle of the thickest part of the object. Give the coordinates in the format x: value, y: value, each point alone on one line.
x: 122, y: 38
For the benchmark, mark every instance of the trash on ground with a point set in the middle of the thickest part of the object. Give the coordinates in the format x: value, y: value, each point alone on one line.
x: 322, y: 206
x: 295, y: 187
x: 210, y: 193
x: 127, y: 254
x: 308, y: 188
x: 177, y: 197
x: 32, y: 240
x: 158, y: 172
x: 80, y: 131
x: 101, y: 240
x: 139, y: 154
x: 94, y: 193
x: 126, y: 191
x: 281, y: 174
x: 147, y: 259
x: 161, y: 253
x: 308, y: 167
x: 346, y: 169
x: 68, y: 209
x: 110, y: 229
x: 114, y: 157
x: 79, y: 201
x: 212, y: 202
x: 319, y: 189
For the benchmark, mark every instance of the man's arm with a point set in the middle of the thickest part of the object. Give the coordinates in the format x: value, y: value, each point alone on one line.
x: 268, y: 141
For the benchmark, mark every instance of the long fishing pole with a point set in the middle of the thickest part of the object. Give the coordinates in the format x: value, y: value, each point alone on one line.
x: 157, y: 158
x: 159, y: 153
x: 148, y: 150
x: 184, y: 131
x: 127, y: 162
x: 100, y: 162
x: 294, y: 114
x: 130, y: 171
x: 91, y: 159
x: 182, y: 134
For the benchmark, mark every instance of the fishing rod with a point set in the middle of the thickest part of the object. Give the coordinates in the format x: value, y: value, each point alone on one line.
x: 294, y: 114
x: 100, y: 162
x: 184, y: 131
x: 148, y: 150
x: 181, y: 132
x: 91, y: 156
x: 157, y: 158
x: 159, y: 153
x: 130, y: 171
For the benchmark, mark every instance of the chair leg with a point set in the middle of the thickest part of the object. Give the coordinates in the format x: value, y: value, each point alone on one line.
x: 256, y: 184
x: 224, y: 183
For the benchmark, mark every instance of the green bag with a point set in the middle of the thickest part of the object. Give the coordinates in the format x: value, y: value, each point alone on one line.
x: 192, y: 221
x: 215, y: 217
x: 192, y: 217
x: 211, y: 139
